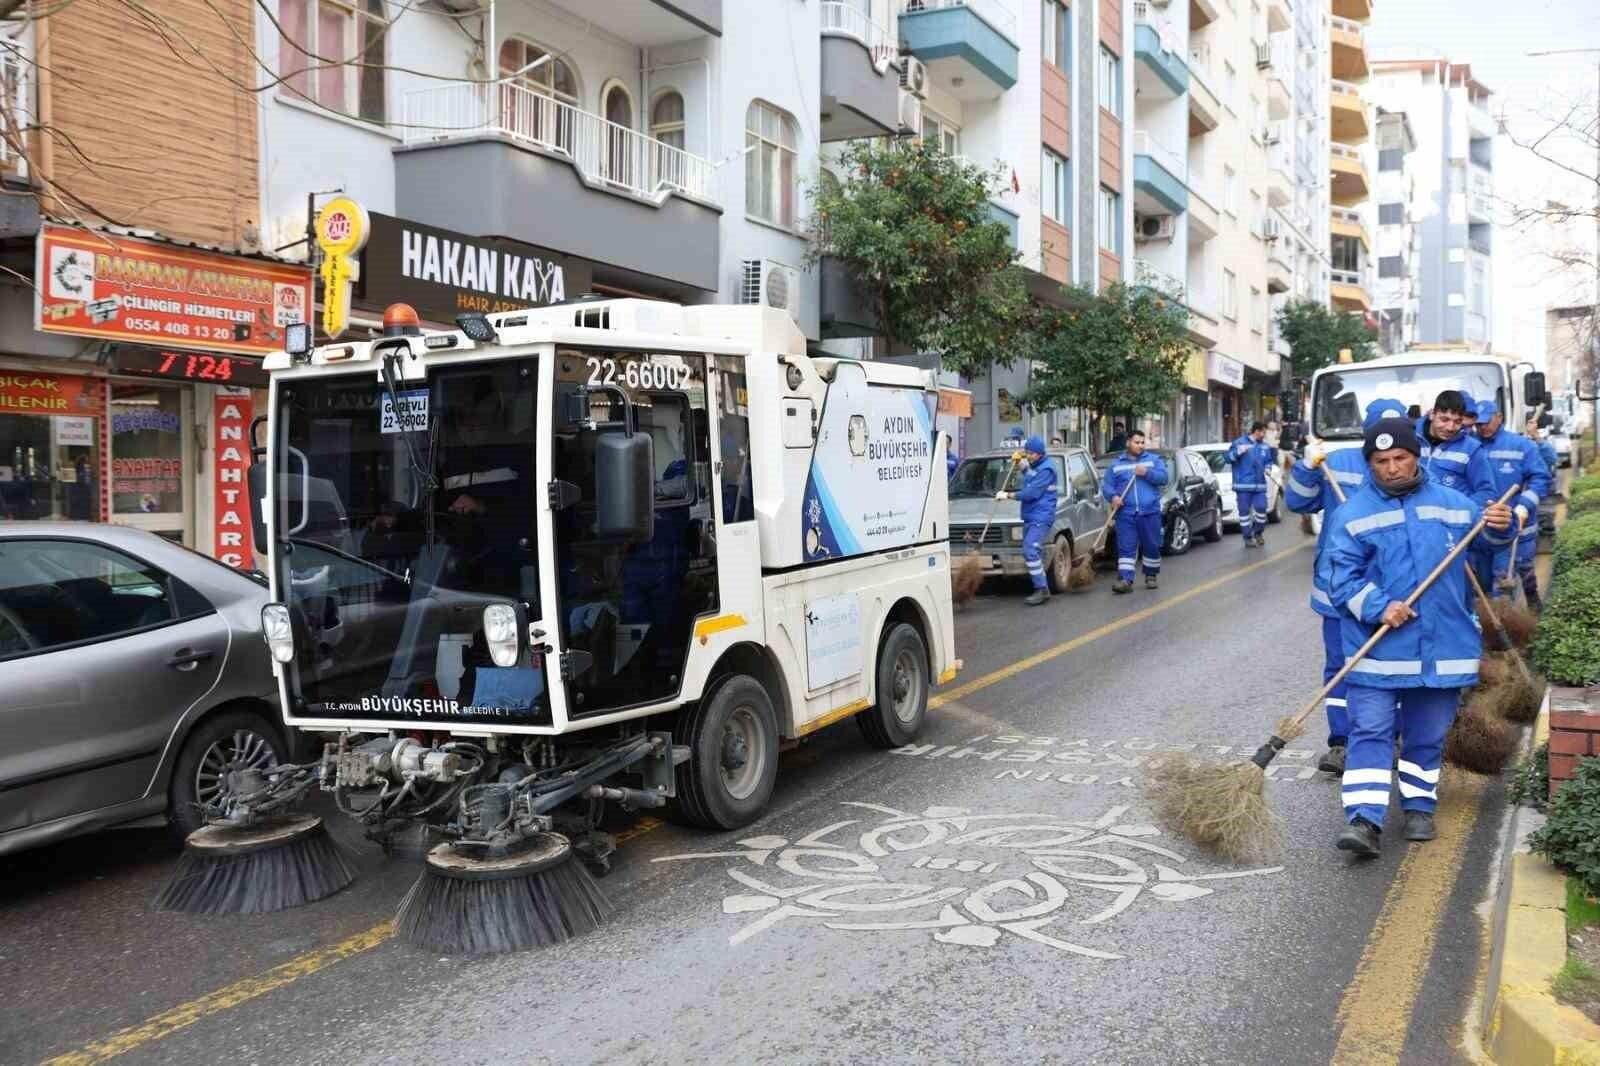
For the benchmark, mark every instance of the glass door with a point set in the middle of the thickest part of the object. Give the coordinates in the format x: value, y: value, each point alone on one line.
x: 152, y: 458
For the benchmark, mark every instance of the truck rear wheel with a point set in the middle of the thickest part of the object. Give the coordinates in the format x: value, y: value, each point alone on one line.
x: 733, y: 761
x: 902, y: 690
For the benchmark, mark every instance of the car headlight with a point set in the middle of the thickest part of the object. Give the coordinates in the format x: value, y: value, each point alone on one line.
x: 277, y: 632
x: 1016, y: 534
x: 500, y: 633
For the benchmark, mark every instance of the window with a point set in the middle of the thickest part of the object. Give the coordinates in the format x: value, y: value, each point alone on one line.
x: 940, y: 134
x: 1391, y: 214
x: 62, y: 592
x: 1258, y: 215
x: 1346, y: 253
x: 1109, y: 82
x: 1055, y: 194
x: 1230, y: 294
x: 349, y: 38
x: 1391, y: 266
x: 733, y: 427
x: 769, y: 169
x: 1391, y: 159
x: 1229, y: 82
x: 1056, y: 33
x: 1081, y: 474
x: 1230, y: 191
x: 666, y: 119
x: 1109, y: 221
x: 540, y: 103
x: 1480, y: 284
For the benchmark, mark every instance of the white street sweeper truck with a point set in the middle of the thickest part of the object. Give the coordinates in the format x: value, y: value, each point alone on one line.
x: 610, y: 551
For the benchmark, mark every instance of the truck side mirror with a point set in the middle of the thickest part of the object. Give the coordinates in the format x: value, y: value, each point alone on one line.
x: 256, y: 482
x: 1533, y: 390
x: 625, y: 491
x: 1289, y: 438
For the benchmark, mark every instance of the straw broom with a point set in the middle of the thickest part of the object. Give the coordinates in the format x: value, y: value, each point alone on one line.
x: 1082, y: 573
x: 966, y: 577
x: 1519, y: 619
x: 1515, y: 694
x: 1223, y: 806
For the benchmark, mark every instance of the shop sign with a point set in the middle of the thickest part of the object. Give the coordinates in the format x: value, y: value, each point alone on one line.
x: 208, y: 368
x: 109, y: 287
x: 230, y: 446
x: 443, y: 274
x: 73, y: 431
x: 1227, y: 371
x: 23, y: 393
x: 147, y: 478
x: 1194, y: 370
x: 956, y: 402
x: 342, y: 229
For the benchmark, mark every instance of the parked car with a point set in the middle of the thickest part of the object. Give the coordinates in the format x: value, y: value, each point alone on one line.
x: 1191, y: 503
x: 133, y: 681
x: 1562, y: 443
x: 1215, y: 456
x: 1080, y: 513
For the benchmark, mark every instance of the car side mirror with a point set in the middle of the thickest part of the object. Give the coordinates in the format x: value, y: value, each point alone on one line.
x: 624, y: 476
x: 256, y: 482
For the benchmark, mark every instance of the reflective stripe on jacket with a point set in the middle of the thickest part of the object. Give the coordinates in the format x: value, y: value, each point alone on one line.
x: 1140, y: 495
x: 1251, y: 460
x: 1458, y: 464
x: 1309, y: 489
x: 1038, y: 492
x: 1515, y: 460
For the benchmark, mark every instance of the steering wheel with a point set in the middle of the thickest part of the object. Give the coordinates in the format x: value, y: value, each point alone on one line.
x: 10, y: 617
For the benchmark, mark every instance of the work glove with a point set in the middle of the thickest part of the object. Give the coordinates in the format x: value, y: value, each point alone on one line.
x: 1521, y: 511
x: 1316, y: 455
x: 1002, y: 496
x: 1141, y: 470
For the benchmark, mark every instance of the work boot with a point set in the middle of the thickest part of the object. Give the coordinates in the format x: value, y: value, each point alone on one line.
x: 1361, y: 837
x: 1121, y: 586
x: 1419, y: 825
x: 1036, y: 597
x: 1149, y: 581
x: 1332, y: 761
x: 1261, y: 542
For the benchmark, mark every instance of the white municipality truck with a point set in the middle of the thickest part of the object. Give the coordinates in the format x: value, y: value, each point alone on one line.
x: 608, y: 551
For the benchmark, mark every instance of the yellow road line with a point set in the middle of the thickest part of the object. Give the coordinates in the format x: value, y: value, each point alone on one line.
x: 1375, y: 1012
x: 1023, y: 665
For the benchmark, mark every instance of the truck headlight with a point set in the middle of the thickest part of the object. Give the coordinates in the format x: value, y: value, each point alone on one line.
x: 500, y: 633
x: 1016, y: 534
x: 277, y: 632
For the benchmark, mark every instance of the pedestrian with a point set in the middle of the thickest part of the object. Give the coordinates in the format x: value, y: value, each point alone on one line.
x: 1252, y: 457
x: 1547, y: 451
x: 1308, y: 489
x: 1133, y: 487
x: 1119, y: 438
x: 1515, y: 460
x: 1385, y: 540
x: 1038, y: 498
x: 951, y: 459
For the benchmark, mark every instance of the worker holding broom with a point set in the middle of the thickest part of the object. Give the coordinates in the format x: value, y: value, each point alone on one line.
x: 1038, y: 499
x: 1133, y: 487
x: 1252, y: 457
x: 1515, y: 460
x: 1451, y: 457
x: 1321, y: 481
x: 1389, y: 535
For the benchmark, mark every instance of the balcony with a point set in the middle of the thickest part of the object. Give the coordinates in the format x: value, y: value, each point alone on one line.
x: 1202, y: 13
x: 1349, y: 40
x: 1278, y: 74
x: 1007, y: 218
x: 649, y: 23
x: 1280, y: 167
x: 860, y: 74
x: 1160, y: 177
x: 1348, y: 114
x: 1347, y: 223
x: 1280, y: 17
x: 1205, y: 222
x: 1147, y: 275
x: 520, y: 164
x: 1205, y: 110
x: 1360, y: 10
x: 970, y: 46
x: 1161, y: 73
x: 845, y: 310
x: 1480, y: 196
x: 1351, y: 182
x: 1279, y: 272
x: 1204, y: 329
x: 1349, y: 292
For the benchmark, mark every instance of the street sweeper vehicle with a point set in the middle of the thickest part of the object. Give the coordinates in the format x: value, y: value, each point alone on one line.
x: 606, y: 552
x: 1340, y: 393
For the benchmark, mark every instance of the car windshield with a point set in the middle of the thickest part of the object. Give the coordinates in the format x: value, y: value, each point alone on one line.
x: 1217, y: 460
x: 981, y: 476
x: 1341, y: 398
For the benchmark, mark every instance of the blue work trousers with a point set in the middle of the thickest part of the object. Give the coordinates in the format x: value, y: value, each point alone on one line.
x: 1422, y: 716
x: 1138, y: 536
x: 1337, y: 703
x: 1033, y: 540
x: 1252, y: 513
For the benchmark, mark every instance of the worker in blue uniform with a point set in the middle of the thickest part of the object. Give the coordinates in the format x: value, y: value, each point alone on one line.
x: 1251, y: 458
x: 1515, y: 460
x: 1451, y: 458
x: 1038, y: 498
x: 1133, y: 487
x: 1308, y: 489
x: 1385, y: 540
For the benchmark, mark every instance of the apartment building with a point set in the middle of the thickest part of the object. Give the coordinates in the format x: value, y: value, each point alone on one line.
x: 1451, y: 195
x: 1350, y: 157
x: 1572, y: 348
x: 1395, y: 291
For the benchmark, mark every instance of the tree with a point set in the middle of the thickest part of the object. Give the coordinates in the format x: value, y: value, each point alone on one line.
x: 914, y: 228
x: 1123, y: 350
x: 1315, y: 335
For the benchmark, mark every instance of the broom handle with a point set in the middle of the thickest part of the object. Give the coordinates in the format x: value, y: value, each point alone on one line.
x: 1511, y: 567
x: 1101, y: 539
x: 1416, y: 594
x: 1499, y: 628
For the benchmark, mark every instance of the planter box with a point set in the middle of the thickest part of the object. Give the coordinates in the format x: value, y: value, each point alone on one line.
x: 1574, y: 731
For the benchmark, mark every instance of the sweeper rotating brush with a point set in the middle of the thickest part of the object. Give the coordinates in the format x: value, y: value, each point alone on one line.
x: 473, y: 899
x: 256, y: 869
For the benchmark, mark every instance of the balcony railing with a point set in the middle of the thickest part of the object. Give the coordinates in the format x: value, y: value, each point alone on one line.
x: 1347, y: 26
x: 1346, y: 88
x: 1174, y: 163
x: 15, y: 90
x: 1344, y: 151
x: 993, y: 12
x: 843, y: 19
x: 1144, y: 273
x: 603, y: 151
x: 1348, y: 277
x: 1344, y: 214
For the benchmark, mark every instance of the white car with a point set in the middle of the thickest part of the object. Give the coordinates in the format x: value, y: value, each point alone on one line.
x: 1216, y: 457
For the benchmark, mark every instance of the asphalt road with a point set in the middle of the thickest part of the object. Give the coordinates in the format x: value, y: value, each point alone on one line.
x: 994, y: 893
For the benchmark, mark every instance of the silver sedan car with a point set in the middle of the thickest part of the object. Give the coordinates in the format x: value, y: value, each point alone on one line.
x: 133, y: 681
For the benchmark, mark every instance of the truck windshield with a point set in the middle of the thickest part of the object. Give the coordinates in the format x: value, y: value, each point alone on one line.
x: 399, y: 516
x: 1340, y: 402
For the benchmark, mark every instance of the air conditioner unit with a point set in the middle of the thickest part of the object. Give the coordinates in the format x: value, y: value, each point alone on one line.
x: 914, y: 78
x: 910, y: 113
x: 770, y: 284
x: 1154, y: 228
x: 1270, y: 229
x: 1263, y: 56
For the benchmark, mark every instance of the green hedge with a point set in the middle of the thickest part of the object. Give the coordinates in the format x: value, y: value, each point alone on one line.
x: 1577, y: 541
x: 1585, y: 502
x: 1587, y: 483
x: 1566, y: 645
x: 1570, y: 836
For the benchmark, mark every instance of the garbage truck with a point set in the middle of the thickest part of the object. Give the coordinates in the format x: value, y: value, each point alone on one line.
x: 1340, y: 393
x: 605, y: 552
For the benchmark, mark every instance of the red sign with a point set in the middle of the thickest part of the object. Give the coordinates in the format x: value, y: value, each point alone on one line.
x: 230, y: 448
x: 193, y: 366
x: 93, y: 284
x: 26, y: 393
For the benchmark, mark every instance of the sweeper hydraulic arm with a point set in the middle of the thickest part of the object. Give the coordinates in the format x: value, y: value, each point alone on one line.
x: 603, y: 553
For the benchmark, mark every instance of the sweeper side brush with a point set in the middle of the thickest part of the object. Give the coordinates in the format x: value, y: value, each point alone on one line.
x: 477, y: 900
x: 272, y: 866
x: 1223, y: 806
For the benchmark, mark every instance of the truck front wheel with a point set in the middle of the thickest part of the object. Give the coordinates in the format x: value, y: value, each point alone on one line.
x: 902, y: 690
x: 733, y: 762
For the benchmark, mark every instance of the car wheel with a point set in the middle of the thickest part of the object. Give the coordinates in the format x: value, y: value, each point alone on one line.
x: 733, y: 757
x: 1275, y: 515
x: 1061, y: 565
x: 1213, y: 532
x: 903, y: 686
x: 218, y: 748
x: 1180, y: 538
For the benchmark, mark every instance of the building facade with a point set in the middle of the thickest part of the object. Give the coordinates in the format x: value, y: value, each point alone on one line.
x: 1350, y: 158
x: 1395, y: 291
